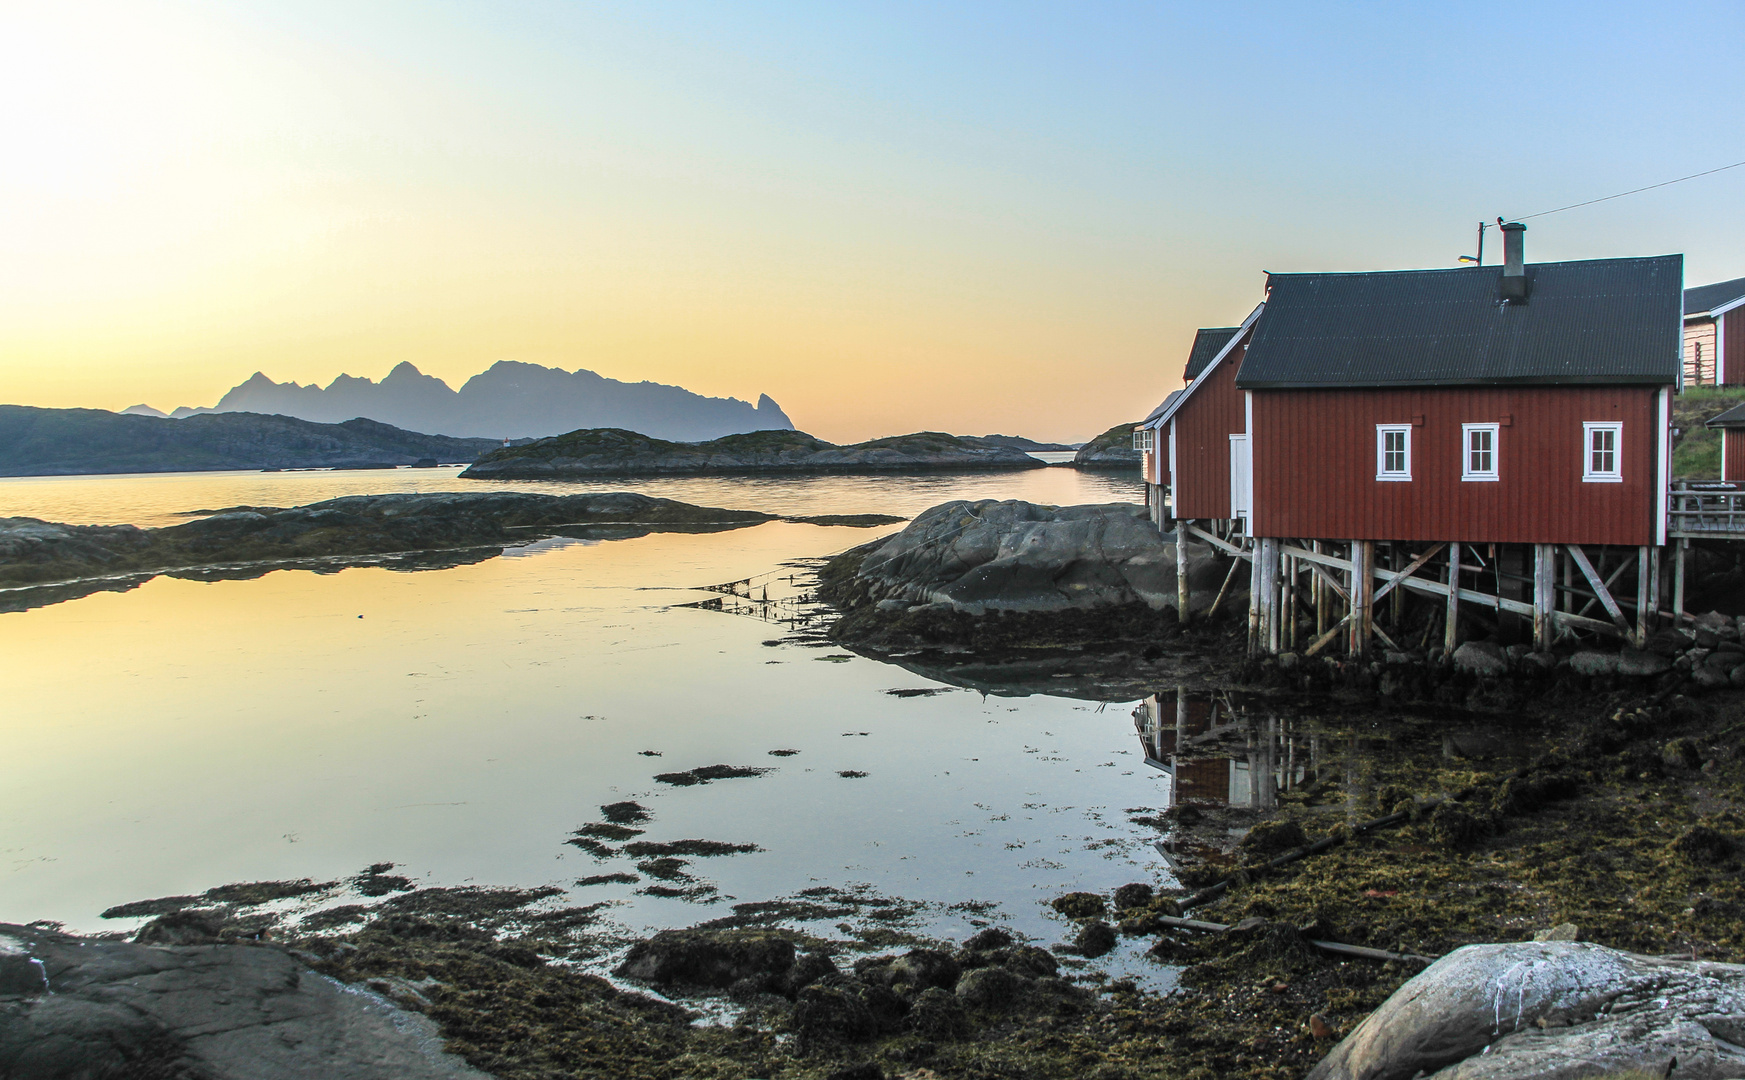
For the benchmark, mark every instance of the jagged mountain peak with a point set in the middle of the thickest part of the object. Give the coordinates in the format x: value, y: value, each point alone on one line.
x: 512, y: 399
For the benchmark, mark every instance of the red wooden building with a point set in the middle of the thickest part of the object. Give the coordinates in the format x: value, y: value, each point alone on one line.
x: 1490, y: 435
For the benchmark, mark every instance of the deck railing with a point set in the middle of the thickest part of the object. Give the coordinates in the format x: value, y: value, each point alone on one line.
x: 1706, y: 508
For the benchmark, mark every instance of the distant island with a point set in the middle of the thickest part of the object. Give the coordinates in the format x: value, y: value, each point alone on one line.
x: 509, y: 400
x: 1113, y: 449
x: 63, y: 442
x: 616, y: 452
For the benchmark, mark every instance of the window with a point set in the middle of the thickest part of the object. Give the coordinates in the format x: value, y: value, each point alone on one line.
x: 1393, y: 451
x: 1602, y: 454
x: 1143, y: 439
x: 1479, y: 458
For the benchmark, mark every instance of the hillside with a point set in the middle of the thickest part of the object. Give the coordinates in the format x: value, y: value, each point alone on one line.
x: 508, y: 400
x: 1113, y: 449
x: 61, y: 442
x: 616, y: 452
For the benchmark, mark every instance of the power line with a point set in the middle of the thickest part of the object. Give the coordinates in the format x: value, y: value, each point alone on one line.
x: 1633, y: 191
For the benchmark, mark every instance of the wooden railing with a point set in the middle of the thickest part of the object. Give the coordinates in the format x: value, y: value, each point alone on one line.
x: 1706, y: 508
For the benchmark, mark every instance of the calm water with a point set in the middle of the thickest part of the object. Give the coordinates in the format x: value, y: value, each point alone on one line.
x: 463, y: 723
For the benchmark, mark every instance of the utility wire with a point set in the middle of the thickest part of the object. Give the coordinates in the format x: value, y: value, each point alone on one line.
x: 1634, y: 191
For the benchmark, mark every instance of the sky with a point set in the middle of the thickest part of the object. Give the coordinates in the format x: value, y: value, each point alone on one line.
x: 970, y: 217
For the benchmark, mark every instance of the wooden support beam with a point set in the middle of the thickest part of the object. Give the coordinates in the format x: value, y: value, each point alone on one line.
x: 1451, y: 628
x: 1611, y: 579
x: 1183, y: 593
x: 1599, y: 587
x: 1321, y: 602
x: 1395, y: 578
x: 1544, y: 594
x: 1224, y: 588
x: 1219, y: 542
x: 1647, y: 585
x: 1254, y: 604
x: 1321, y: 642
x: 1362, y: 596
x: 1682, y: 545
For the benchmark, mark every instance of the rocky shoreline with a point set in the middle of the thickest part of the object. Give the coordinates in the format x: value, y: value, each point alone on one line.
x: 44, y: 562
x: 615, y: 452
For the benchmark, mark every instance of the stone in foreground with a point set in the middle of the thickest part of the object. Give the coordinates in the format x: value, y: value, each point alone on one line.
x: 1551, y: 1009
x: 71, y: 1007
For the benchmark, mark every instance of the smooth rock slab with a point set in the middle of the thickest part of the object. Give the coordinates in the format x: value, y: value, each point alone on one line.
x: 216, y: 1012
x: 1476, y: 1015
x: 1589, y: 662
x: 1642, y: 664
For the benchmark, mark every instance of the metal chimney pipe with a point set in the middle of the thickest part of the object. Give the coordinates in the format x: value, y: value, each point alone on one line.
x: 1514, y: 280
x: 1513, y: 254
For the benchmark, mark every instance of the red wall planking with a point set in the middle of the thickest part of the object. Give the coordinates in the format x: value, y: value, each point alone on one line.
x: 1315, y: 466
x: 1732, y: 455
x: 1203, y: 427
x: 1733, y: 341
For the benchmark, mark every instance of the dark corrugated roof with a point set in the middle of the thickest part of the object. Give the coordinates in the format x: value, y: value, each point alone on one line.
x: 1734, y: 417
x: 1207, y: 344
x: 1706, y: 298
x: 1166, y: 403
x: 1599, y: 320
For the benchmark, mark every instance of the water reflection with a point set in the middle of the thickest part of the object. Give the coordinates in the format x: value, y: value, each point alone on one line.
x: 1226, y: 749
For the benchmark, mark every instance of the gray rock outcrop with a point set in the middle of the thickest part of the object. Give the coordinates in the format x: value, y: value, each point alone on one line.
x: 986, y: 556
x: 1551, y: 1010
x: 1113, y: 449
x: 76, y: 1008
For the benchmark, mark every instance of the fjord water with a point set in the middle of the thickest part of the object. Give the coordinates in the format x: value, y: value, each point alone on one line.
x: 463, y: 723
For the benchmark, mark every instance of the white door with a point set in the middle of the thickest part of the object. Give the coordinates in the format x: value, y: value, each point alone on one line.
x: 1241, y: 479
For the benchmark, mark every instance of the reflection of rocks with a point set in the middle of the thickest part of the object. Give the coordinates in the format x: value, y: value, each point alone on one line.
x: 1552, y: 1008
x: 108, y: 1008
x: 400, y: 531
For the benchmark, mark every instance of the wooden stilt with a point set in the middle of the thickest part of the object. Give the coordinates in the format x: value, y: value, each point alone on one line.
x: 1600, y: 588
x: 1256, y: 601
x: 1184, y: 596
x: 1656, y: 588
x: 1568, y: 581
x: 1362, y: 592
x: 1678, y: 580
x: 1397, y: 612
x: 1644, y: 589
x: 1544, y: 594
x: 1451, y: 628
x: 1265, y: 597
x: 1321, y: 598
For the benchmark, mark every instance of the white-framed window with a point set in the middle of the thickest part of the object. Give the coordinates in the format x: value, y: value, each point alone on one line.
x: 1602, y: 460
x: 1144, y: 439
x: 1393, y: 451
x: 1478, y: 460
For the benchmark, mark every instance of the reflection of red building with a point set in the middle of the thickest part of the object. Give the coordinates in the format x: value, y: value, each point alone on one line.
x: 1251, y: 775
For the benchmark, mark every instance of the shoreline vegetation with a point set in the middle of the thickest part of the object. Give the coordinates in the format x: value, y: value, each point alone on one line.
x: 44, y: 562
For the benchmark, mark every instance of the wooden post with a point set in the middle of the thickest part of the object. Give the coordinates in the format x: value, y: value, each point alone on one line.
x: 1451, y: 629
x: 1568, y: 581
x: 1643, y: 591
x: 1265, y: 597
x: 1362, y: 591
x: 1544, y: 595
x: 1322, y: 595
x: 1397, y: 613
x: 1682, y: 542
x: 1255, y: 601
x: 1184, y: 595
x: 1656, y: 589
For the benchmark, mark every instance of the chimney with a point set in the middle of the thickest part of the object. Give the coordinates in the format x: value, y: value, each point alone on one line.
x: 1514, y: 280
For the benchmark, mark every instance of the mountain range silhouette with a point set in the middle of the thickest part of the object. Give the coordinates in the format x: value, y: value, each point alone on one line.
x: 508, y: 400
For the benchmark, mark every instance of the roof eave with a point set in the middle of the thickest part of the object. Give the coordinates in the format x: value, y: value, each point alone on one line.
x: 1431, y: 384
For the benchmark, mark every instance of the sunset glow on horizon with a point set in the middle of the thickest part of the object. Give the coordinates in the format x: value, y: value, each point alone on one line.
x: 973, y: 218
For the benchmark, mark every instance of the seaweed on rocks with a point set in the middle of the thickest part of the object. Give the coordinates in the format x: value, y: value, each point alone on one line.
x: 696, y: 848
x: 707, y: 773
x: 626, y: 813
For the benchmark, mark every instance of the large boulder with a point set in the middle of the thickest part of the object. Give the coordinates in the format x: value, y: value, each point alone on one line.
x: 1018, y: 556
x: 1551, y: 1009
x: 713, y: 958
x: 74, y: 1007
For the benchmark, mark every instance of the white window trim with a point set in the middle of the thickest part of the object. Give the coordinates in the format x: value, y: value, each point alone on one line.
x: 1466, y: 470
x: 1381, y: 433
x: 1588, y: 476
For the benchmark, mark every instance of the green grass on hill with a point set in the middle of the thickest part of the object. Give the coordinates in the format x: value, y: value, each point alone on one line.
x: 1696, y: 450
